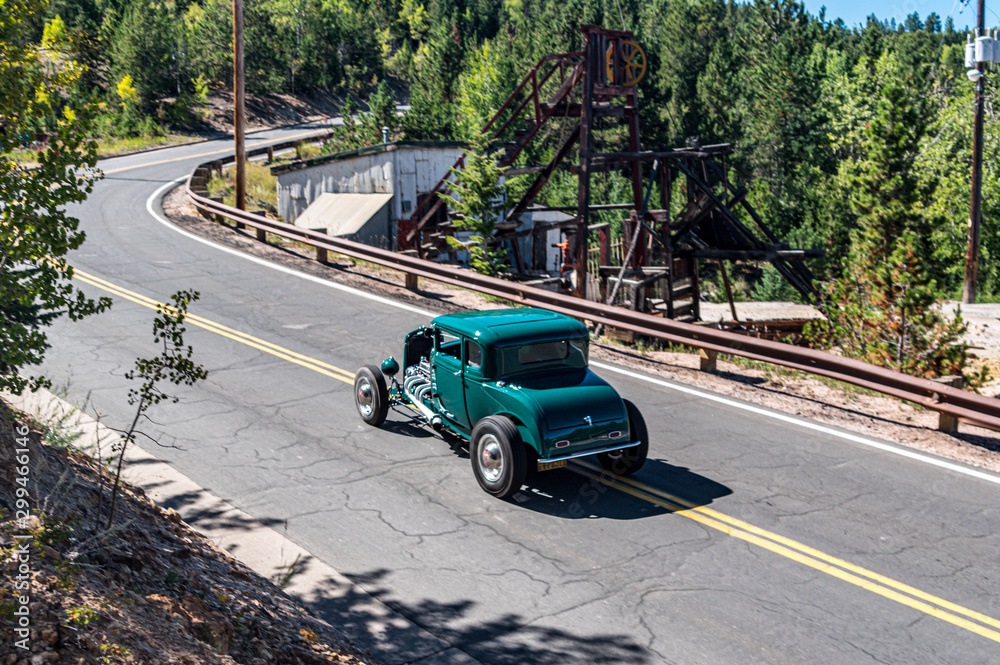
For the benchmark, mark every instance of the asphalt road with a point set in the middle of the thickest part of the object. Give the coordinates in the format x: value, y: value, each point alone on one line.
x: 745, y: 539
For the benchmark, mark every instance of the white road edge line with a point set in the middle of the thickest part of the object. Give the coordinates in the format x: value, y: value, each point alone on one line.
x: 269, y: 264
x: 816, y: 427
x: 808, y: 424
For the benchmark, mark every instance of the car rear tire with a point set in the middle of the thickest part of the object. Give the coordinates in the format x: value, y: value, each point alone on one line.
x: 627, y: 461
x: 498, y: 458
x: 371, y: 396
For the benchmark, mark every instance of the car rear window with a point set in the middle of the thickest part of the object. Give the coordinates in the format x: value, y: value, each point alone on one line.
x: 554, y: 353
x: 543, y: 352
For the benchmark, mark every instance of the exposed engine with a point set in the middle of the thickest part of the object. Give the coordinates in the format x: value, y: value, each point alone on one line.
x: 417, y: 380
x: 417, y: 387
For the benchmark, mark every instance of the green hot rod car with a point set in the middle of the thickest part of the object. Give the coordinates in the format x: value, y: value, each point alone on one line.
x: 516, y: 385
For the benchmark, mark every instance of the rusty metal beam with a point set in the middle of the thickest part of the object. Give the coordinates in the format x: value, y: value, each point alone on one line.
x: 591, y: 64
x: 543, y: 177
x: 975, y: 409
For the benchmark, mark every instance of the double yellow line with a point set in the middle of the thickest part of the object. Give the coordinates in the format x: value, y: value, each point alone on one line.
x: 881, y: 585
x: 249, y: 340
x: 886, y: 587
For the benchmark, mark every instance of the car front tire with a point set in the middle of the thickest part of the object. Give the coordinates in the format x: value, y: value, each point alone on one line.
x: 627, y: 461
x: 498, y: 458
x: 371, y: 396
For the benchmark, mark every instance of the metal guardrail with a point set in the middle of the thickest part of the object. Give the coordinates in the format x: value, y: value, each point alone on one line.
x: 969, y: 407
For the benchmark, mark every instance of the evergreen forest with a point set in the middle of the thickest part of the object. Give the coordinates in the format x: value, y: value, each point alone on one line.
x: 853, y: 139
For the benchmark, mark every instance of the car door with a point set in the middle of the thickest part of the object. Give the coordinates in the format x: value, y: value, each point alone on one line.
x: 449, y: 384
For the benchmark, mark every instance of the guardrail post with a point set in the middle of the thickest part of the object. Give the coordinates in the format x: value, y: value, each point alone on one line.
x: 412, y: 281
x: 946, y: 422
x: 261, y: 233
x: 270, y: 154
x: 708, y: 360
x: 216, y: 217
x: 321, y: 254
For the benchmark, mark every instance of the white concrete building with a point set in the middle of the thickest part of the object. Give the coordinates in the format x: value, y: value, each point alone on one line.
x: 403, y: 170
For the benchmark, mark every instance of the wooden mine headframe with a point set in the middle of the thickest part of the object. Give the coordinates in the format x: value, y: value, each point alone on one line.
x: 600, y: 82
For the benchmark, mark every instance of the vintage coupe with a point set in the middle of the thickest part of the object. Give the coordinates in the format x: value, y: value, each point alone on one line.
x: 516, y: 385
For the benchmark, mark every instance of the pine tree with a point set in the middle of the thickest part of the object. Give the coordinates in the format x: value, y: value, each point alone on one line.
x: 479, y: 197
x: 883, y: 309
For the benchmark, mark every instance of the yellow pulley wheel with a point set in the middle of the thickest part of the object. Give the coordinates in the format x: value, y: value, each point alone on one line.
x: 633, y: 62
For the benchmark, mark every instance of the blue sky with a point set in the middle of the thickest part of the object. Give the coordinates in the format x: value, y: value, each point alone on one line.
x: 856, y: 11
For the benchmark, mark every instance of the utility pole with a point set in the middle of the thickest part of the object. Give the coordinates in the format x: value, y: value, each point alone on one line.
x: 976, y: 197
x: 239, y: 112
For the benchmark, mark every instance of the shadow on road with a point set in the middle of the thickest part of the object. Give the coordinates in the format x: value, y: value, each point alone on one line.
x: 210, y: 512
x: 507, y: 638
x: 583, y: 490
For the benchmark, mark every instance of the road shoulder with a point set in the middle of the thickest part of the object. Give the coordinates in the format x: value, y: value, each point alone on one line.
x: 365, y: 620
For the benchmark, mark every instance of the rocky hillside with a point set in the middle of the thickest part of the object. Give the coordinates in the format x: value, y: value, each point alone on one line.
x: 148, y: 590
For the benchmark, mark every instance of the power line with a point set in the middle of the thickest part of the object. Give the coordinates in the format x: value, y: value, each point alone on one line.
x: 621, y: 13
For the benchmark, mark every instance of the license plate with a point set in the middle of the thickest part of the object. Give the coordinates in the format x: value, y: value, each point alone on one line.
x: 548, y: 466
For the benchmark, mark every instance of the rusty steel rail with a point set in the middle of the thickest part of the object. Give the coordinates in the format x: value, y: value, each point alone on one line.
x: 974, y: 409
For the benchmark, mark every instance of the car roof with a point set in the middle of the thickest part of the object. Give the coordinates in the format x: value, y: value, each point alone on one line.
x: 505, y: 327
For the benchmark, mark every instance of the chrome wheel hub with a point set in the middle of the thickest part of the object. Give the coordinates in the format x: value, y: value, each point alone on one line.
x: 491, y: 459
x: 364, y: 397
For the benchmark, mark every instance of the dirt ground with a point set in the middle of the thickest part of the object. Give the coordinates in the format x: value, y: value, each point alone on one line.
x: 265, y: 111
x: 839, y: 405
x: 147, y: 590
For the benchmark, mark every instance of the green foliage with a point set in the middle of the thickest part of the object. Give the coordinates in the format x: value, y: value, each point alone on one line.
x: 173, y: 365
x: 366, y: 129
x: 773, y: 287
x: 479, y: 198
x: 36, y: 233
x: 796, y: 93
x: 80, y: 616
x: 143, y: 49
x: 484, y: 86
x: 261, y: 186
x: 382, y: 113
x: 882, y: 310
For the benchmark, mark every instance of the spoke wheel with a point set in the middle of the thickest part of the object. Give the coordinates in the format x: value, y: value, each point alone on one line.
x: 633, y: 63
x: 499, y: 462
x: 371, y: 396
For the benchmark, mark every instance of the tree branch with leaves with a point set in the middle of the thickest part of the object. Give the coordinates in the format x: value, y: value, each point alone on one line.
x: 173, y: 366
x: 36, y: 233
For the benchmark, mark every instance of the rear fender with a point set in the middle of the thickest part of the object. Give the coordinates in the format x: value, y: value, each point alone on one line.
x: 528, y: 431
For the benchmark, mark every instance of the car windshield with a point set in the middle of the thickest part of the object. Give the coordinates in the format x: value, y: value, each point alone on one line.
x: 537, y: 355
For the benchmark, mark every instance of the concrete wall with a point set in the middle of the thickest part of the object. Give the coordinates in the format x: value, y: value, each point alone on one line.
x: 364, y: 174
x: 404, y: 169
x: 376, y: 231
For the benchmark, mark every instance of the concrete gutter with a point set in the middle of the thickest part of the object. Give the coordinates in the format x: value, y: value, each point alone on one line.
x: 389, y: 635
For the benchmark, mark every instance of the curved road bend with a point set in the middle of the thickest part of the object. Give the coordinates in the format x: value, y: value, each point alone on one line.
x: 745, y: 538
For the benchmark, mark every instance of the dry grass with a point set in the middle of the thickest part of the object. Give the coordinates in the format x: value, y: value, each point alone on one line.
x: 262, y: 187
x: 110, y: 147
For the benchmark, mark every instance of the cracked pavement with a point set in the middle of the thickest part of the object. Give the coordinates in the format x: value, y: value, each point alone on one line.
x: 571, y: 571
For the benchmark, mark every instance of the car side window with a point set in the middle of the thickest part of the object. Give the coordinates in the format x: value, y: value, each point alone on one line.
x: 473, y: 355
x: 449, y: 345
